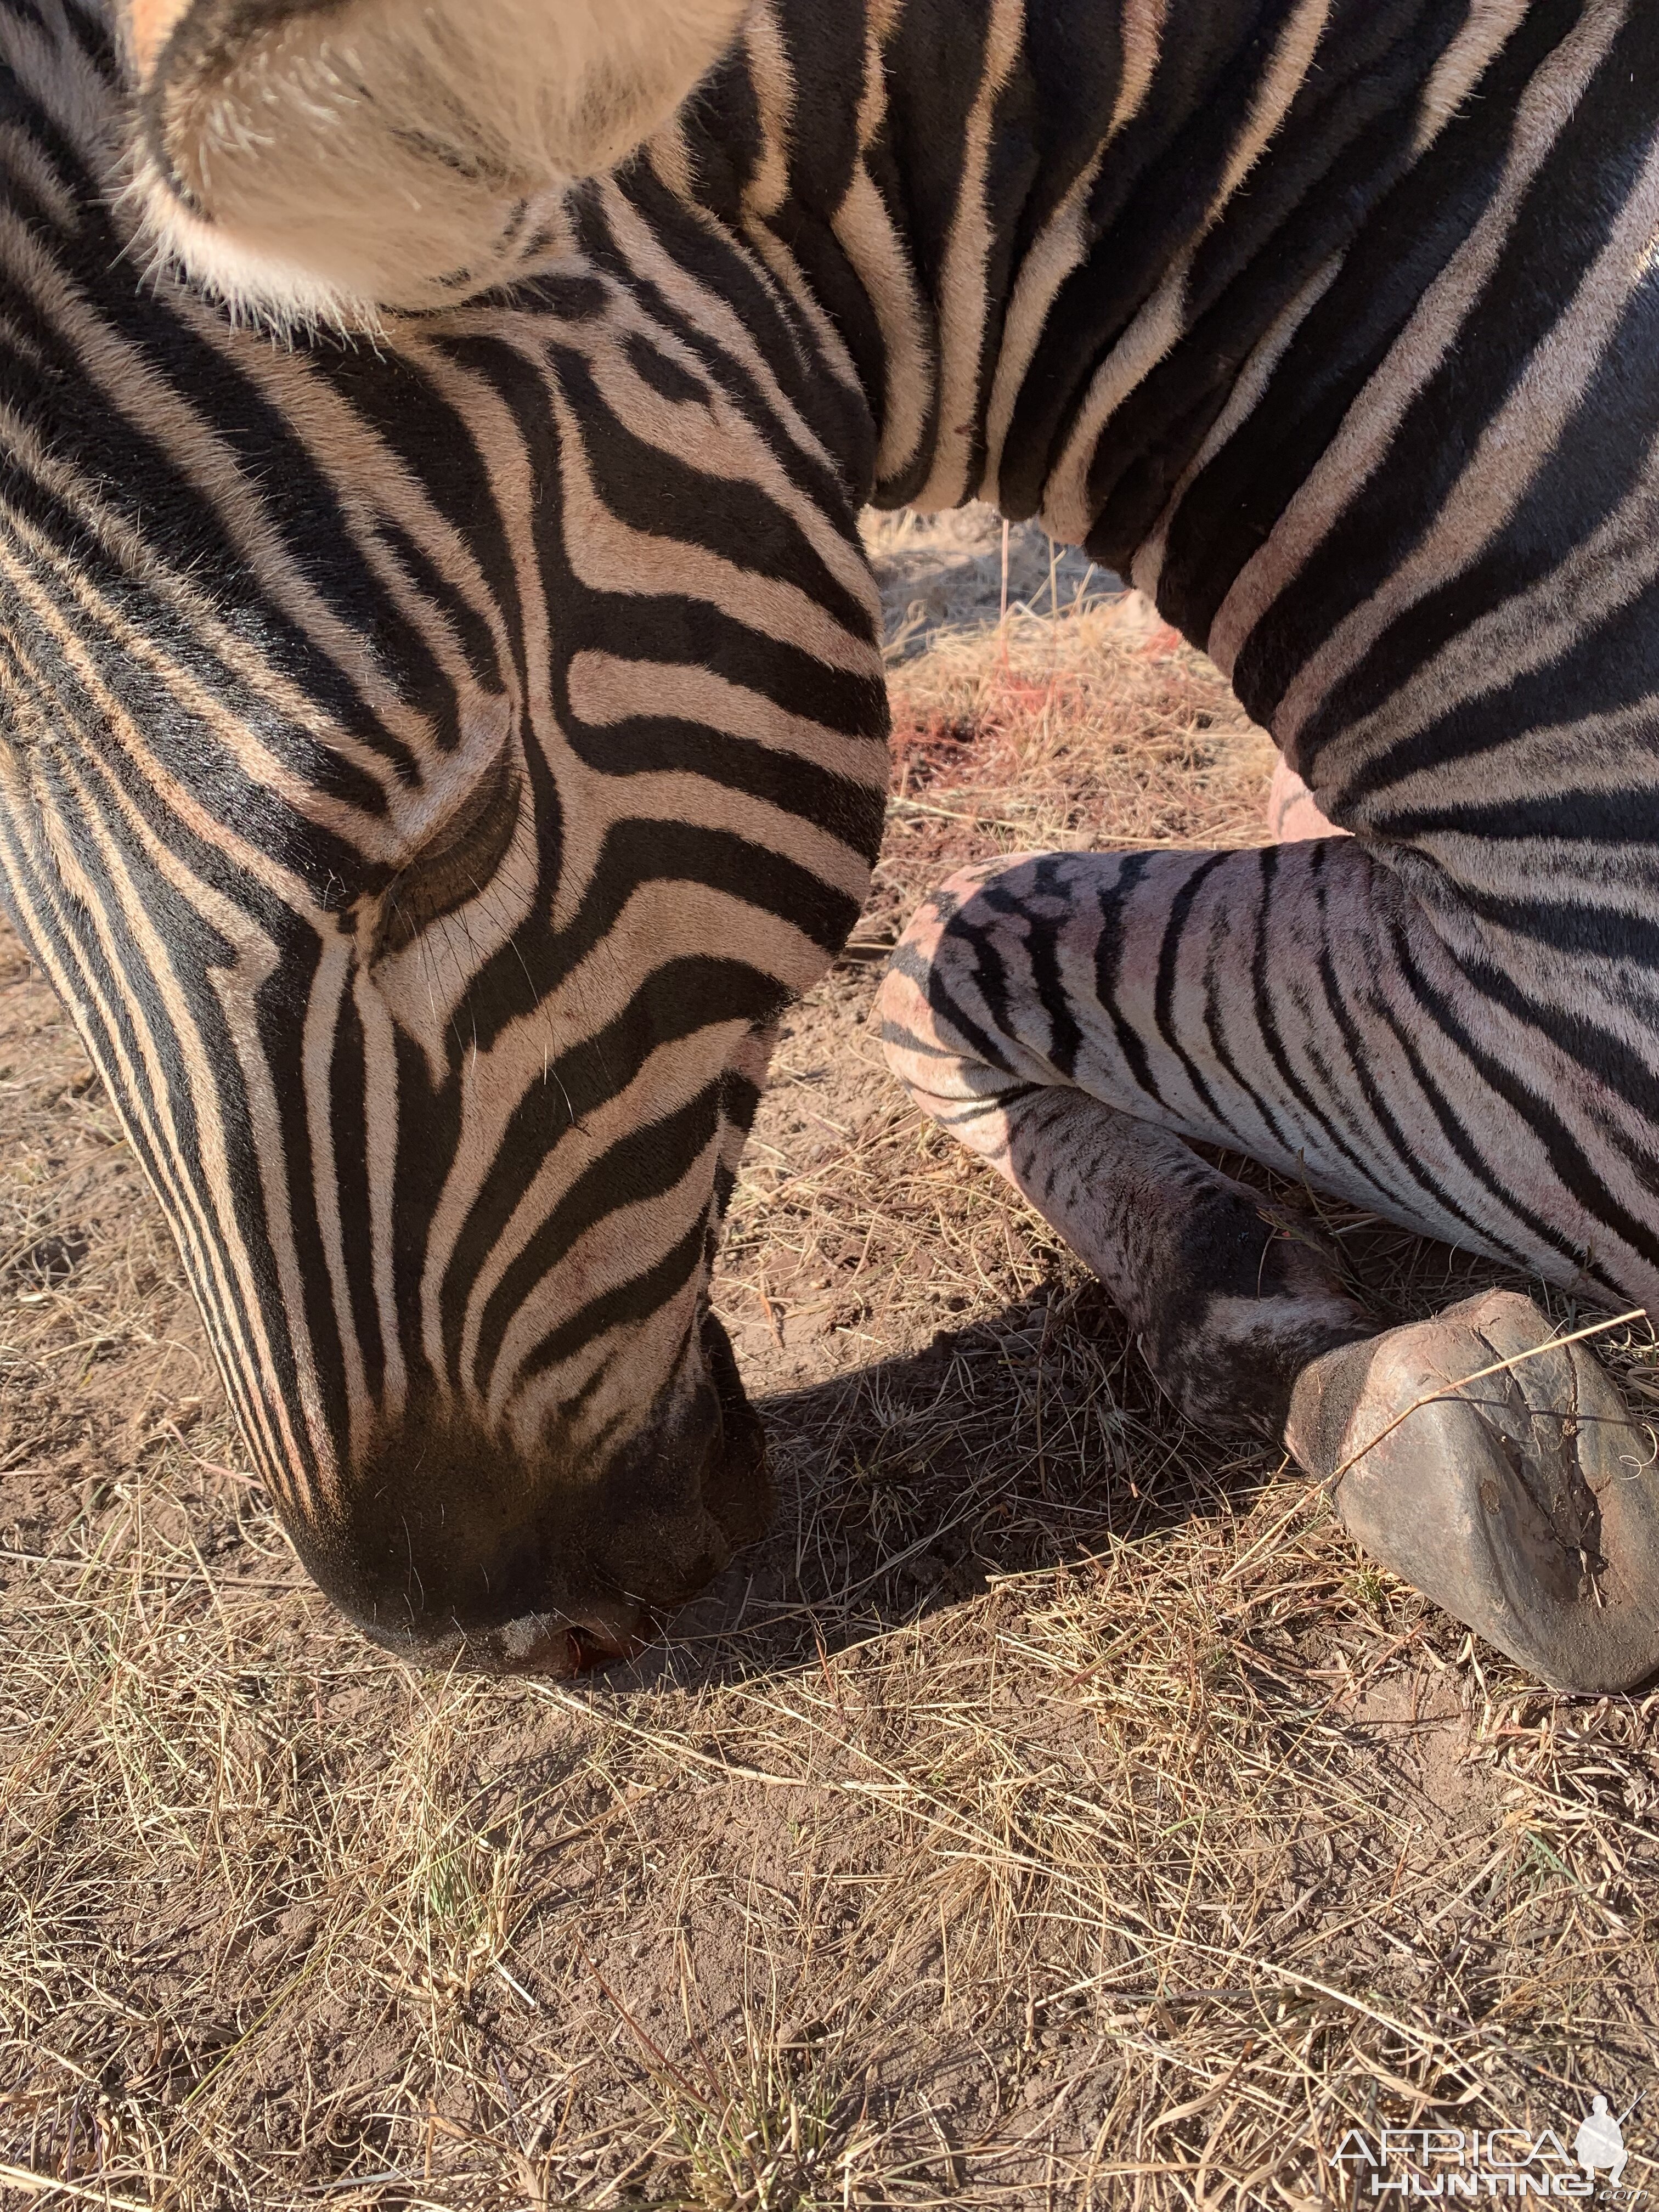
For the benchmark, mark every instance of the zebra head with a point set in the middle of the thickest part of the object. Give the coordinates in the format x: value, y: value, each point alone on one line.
x: 427, y: 769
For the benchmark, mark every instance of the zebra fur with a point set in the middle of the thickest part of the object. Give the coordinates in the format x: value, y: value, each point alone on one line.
x: 433, y: 760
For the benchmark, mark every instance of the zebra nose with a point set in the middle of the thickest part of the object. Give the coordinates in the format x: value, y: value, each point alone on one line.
x: 550, y: 1644
x: 543, y: 1645
x: 507, y: 1567
x: 453, y: 1548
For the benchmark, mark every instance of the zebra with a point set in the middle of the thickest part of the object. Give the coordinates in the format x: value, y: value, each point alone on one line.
x: 443, y: 718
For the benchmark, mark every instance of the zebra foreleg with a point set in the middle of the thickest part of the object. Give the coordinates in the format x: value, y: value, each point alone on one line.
x: 1231, y: 1298
x: 1040, y: 1012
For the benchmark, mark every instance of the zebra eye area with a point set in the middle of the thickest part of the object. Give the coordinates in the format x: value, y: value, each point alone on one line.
x: 455, y: 865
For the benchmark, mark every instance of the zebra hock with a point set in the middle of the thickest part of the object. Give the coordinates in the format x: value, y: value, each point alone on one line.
x: 1330, y: 323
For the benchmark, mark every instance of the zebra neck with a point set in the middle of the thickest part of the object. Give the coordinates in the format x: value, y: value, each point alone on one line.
x: 1047, y: 235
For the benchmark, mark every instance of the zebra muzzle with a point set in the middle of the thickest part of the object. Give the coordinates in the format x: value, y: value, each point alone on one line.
x: 452, y: 1549
x: 551, y: 1646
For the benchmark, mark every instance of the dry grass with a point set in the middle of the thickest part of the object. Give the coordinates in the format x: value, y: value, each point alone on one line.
x: 1056, y: 1811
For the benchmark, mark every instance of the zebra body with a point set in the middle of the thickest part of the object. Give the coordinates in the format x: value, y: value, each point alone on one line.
x: 433, y: 759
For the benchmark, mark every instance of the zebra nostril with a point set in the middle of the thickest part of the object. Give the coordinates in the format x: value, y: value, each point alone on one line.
x: 456, y: 864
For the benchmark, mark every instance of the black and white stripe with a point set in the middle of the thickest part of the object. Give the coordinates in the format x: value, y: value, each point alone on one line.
x: 432, y: 759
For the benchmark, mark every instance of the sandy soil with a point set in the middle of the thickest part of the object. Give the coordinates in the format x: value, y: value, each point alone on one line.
x: 1055, y: 1810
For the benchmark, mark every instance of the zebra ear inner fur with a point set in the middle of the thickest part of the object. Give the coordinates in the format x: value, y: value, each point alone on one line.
x: 321, y: 163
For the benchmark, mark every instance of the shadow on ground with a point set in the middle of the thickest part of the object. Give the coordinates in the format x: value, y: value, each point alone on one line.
x: 1033, y: 1438
x: 911, y: 1484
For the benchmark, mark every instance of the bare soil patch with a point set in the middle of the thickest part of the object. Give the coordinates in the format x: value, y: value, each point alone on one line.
x: 1055, y: 1810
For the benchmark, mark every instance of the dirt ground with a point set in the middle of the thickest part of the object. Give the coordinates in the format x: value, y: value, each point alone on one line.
x: 1054, y: 1811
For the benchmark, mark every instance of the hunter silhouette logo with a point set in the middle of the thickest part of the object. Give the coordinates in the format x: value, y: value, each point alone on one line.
x: 1601, y: 2141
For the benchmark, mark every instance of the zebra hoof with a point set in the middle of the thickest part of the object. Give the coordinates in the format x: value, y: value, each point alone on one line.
x: 1523, y: 1501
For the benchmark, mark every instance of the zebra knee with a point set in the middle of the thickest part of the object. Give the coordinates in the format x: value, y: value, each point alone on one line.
x: 1294, y: 814
x: 939, y: 1008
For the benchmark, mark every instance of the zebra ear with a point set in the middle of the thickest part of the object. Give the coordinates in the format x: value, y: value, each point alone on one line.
x: 311, y: 160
